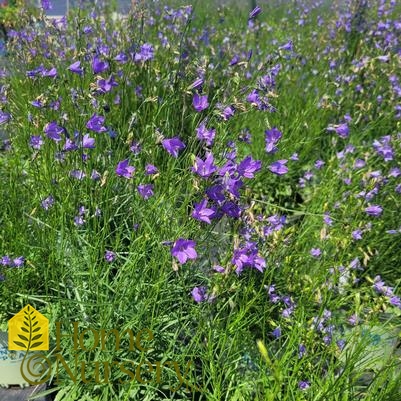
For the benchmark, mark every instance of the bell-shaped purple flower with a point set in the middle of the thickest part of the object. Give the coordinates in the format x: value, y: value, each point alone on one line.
x: 202, y: 212
x: 76, y: 68
x: 184, y: 249
x: 124, y: 169
x: 53, y: 131
x: 248, y: 167
x: 173, y: 146
x: 145, y: 190
x: 374, y: 210
x: 279, y: 167
x: 98, y: 65
x: 205, y: 134
x: 204, y: 168
x: 88, y: 142
x: 255, y: 12
x: 200, y: 102
x: 272, y: 137
x: 95, y: 123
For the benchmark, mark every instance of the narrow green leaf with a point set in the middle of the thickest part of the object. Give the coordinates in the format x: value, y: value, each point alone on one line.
x: 22, y: 337
x: 35, y: 330
x: 36, y: 344
x: 24, y: 330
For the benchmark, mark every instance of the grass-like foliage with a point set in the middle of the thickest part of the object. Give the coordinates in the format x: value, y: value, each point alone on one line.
x: 227, y: 179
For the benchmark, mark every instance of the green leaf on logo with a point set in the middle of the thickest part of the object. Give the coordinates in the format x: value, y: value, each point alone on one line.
x: 20, y: 344
x: 36, y: 344
x: 36, y: 337
x: 22, y: 337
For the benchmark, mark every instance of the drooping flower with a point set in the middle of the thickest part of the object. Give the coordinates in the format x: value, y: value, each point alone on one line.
x: 76, y: 68
x: 357, y: 234
x: 202, y: 213
x: 231, y: 209
x: 279, y: 167
x: 199, y: 102
x: 327, y: 219
x: 315, y: 252
x: 98, y: 65
x: 287, y: 46
x: 205, y: 134
x: 255, y: 12
x: 215, y: 193
x: 272, y: 137
x: 381, y: 288
x: 150, y: 169
x: 196, y: 84
x: 47, y: 203
x: 276, y: 332
x: 18, y: 261
x: 342, y: 130
x: 183, y: 250
x: 248, y: 167
x: 383, y: 148
x: 301, y: 350
x: 234, y: 60
x: 88, y: 142
x: 124, y: 169
x: 173, y: 146
x: 247, y: 257
x: 6, y: 261
x: 374, y: 210
x: 52, y: 73
x: 78, y: 174
x: 79, y: 221
x: 109, y: 256
x: 121, y: 58
x: 53, y: 131
x: 69, y: 145
x: 145, y: 190
x: 95, y: 175
x: 106, y: 85
x: 46, y: 5
x: 36, y: 141
x: 146, y: 53
x: 199, y: 294
x: 303, y: 385
x: 95, y: 123
x: 135, y: 148
x: 35, y: 72
x: 227, y: 113
x: 4, y: 117
x: 204, y: 168
x: 395, y: 301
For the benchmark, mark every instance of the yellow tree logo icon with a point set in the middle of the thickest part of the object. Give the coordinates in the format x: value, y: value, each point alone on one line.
x: 28, y: 330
